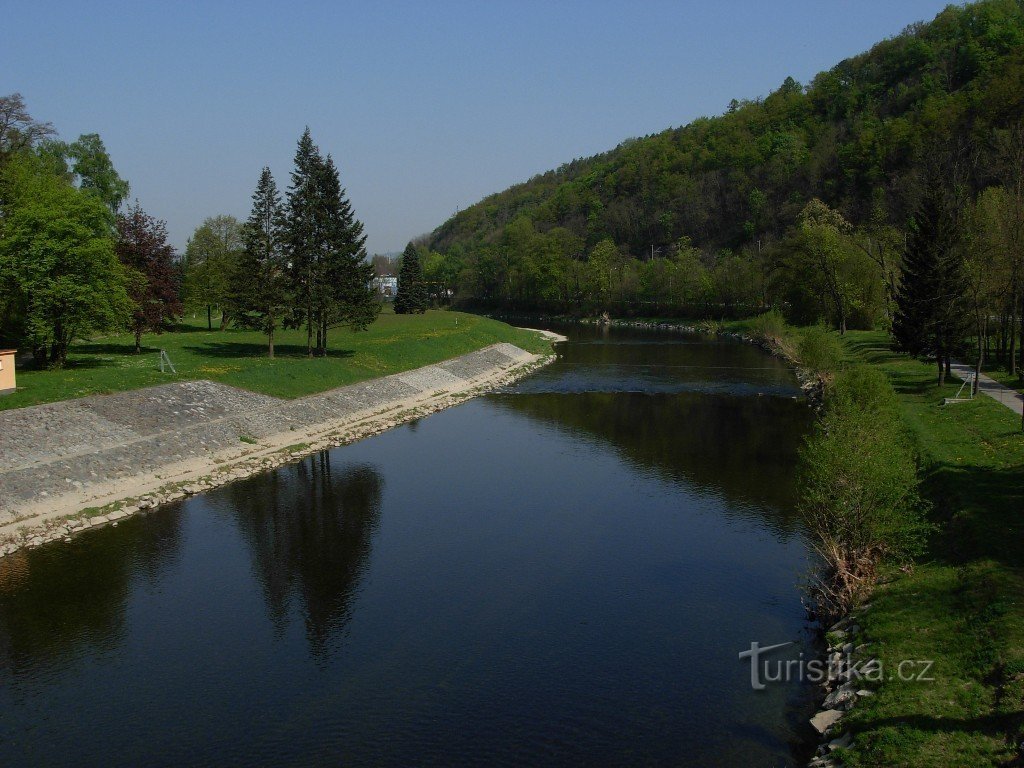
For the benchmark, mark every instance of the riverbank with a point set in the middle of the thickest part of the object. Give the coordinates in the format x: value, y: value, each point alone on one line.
x: 238, y: 357
x: 956, y: 618
x: 69, y: 466
x: 960, y: 606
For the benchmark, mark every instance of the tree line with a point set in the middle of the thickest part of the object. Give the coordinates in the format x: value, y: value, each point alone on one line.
x: 76, y: 261
x: 813, y: 200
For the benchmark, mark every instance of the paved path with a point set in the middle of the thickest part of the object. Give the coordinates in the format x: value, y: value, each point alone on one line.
x: 1010, y: 398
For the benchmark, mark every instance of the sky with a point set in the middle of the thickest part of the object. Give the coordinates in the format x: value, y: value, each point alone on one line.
x: 426, y: 107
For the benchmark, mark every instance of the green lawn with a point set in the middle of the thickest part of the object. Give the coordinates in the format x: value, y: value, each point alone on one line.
x: 962, y: 606
x: 393, y: 343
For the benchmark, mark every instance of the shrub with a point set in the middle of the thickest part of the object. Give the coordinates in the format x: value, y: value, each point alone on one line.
x: 771, y: 326
x: 859, y: 489
x: 820, y: 351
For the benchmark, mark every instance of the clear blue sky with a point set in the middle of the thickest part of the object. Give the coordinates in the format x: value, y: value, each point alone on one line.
x: 426, y: 106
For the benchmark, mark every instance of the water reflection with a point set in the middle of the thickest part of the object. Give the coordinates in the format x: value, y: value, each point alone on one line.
x: 61, y: 602
x: 309, y: 527
x: 710, y: 442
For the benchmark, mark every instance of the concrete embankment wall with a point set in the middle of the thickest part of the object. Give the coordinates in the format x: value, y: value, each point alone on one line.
x: 59, y: 458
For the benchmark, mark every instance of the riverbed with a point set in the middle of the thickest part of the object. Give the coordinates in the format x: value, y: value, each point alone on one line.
x: 559, y: 573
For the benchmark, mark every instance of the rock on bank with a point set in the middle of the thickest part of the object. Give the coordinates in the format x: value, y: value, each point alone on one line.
x: 130, y: 451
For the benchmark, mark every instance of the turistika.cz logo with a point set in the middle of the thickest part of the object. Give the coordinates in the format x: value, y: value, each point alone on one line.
x: 817, y: 670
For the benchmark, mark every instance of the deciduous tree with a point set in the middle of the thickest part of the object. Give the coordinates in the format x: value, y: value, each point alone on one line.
x: 152, y: 278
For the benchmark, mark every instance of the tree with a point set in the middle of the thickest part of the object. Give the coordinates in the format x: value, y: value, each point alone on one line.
x: 330, y: 275
x: 347, y: 296
x: 149, y: 261
x: 302, y: 235
x: 881, y: 242
x: 95, y: 172
x: 18, y: 131
x: 211, y: 259
x: 822, y: 240
x: 412, y: 292
x: 260, y: 287
x: 58, y: 259
x: 930, y: 307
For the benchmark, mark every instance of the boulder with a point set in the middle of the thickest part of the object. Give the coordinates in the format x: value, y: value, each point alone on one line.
x: 826, y: 719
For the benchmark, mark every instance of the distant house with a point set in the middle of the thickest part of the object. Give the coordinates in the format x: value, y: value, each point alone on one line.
x: 385, y: 285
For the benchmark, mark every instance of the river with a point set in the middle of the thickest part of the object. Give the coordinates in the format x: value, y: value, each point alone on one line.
x: 559, y: 573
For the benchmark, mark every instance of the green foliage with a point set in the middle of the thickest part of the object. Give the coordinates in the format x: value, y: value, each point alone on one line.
x: 329, y: 273
x: 859, y: 488
x: 57, y: 259
x: 820, y: 351
x: 770, y: 326
x: 855, y: 140
x: 260, y: 289
x: 959, y: 606
x: 237, y: 356
x: 211, y: 258
x: 411, y: 298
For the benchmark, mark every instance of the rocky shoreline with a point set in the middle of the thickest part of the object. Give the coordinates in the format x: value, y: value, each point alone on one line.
x: 51, y: 519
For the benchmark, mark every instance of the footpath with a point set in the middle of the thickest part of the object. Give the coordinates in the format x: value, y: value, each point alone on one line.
x: 1009, y: 397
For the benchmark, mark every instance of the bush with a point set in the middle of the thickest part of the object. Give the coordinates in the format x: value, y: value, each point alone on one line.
x: 771, y: 326
x: 820, y: 351
x: 859, y: 489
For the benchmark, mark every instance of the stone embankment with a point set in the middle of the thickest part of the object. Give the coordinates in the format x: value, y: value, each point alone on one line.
x: 76, y: 464
x: 852, y: 670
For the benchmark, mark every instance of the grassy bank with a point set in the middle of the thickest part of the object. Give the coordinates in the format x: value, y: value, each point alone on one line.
x: 962, y: 605
x: 392, y: 344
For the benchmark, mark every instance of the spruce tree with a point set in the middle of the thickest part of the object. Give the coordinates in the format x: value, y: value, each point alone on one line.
x: 301, y: 235
x: 261, y: 288
x: 345, y: 296
x: 326, y: 248
x: 411, y: 297
x: 930, y: 304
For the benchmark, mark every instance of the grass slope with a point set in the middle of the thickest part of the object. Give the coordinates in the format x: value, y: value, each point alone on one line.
x: 392, y: 344
x: 962, y: 606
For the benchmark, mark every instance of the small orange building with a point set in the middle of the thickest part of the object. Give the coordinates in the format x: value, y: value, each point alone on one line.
x: 7, y: 371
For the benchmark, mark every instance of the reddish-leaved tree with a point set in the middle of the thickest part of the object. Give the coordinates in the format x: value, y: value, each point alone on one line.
x: 153, y: 280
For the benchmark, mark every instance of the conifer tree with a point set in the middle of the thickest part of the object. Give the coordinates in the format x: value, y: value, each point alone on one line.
x: 261, y: 288
x: 411, y: 297
x: 930, y: 305
x: 347, y: 297
x: 326, y: 248
x: 301, y: 235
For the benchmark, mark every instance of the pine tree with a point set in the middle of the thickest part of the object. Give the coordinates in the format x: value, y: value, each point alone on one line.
x: 260, y: 285
x: 153, y: 279
x: 930, y: 304
x: 412, y: 291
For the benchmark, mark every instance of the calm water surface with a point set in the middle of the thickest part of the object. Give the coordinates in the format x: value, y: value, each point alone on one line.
x: 561, y: 573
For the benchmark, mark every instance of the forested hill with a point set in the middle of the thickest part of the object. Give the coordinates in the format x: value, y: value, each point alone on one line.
x: 856, y: 136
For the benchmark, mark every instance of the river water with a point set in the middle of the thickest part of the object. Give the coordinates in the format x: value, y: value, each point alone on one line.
x: 560, y: 573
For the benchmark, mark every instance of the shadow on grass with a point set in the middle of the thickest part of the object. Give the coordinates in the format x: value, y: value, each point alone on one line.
x: 239, y: 349
x: 978, y: 511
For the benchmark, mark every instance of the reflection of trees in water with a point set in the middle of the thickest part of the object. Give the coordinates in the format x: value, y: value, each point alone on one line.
x: 309, y: 527
x: 744, y: 448
x: 61, y: 601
